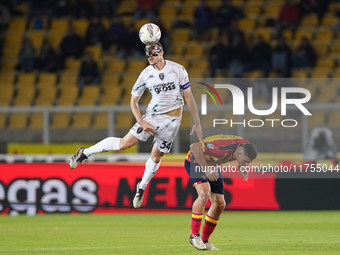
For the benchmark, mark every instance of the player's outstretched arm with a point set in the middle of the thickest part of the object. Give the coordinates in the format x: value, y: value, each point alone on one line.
x: 147, y: 127
x: 189, y: 99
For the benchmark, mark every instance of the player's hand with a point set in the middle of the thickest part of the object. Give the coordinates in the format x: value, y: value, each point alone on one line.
x: 198, y: 129
x: 212, y: 176
x: 147, y: 127
x: 243, y: 172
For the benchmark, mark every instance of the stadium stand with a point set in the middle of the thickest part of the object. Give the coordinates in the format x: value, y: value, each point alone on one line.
x: 118, y: 74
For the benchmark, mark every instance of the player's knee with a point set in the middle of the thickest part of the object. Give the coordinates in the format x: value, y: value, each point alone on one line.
x: 204, y: 195
x: 220, y: 205
x: 124, y: 145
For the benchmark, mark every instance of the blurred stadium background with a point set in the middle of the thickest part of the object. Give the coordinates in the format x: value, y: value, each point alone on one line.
x: 67, y: 68
x: 39, y: 78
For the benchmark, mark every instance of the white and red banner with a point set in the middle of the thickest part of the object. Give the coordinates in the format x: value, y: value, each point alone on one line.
x: 55, y: 188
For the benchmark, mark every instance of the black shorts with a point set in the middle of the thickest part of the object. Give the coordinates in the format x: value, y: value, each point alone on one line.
x: 215, y: 187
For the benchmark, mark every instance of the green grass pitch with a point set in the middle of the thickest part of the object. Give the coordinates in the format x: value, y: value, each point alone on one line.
x: 312, y: 232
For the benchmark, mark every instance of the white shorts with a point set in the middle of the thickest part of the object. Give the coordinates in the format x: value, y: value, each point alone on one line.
x: 166, y: 130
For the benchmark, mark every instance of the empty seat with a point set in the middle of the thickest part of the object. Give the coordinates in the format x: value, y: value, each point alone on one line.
x: 3, y: 118
x: 333, y: 120
x: 47, y: 92
x: 68, y: 78
x: 26, y: 79
x: 47, y: 102
x: 320, y: 72
x: 252, y: 9
x: 111, y: 95
x: 273, y: 8
x: 8, y: 64
x: 168, y: 10
x: 109, y: 79
x: 25, y: 92
x: 101, y: 121
x: 301, y: 33
x: 13, y: 39
x: 55, y: 38
x: 17, y: 25
x: 265, y: 32
x: 318, y: 117
x: 59, y: 25
x: 287, y: 34
x: 82, y: 120
x: 188, y: 9
x: 327, y: 93
x: 69, y: 92
x: 73, y: 64
x: 124, y: 120
x: 247, y: 24
x: 37, y: 121
x: 321, y: 48
x: 116, y: 66
x: 80, y: 26
x: 194, y: 49
x: 329, y: 20
x: 324, y: 35
x: 325, y: 62
x: 6, y: 92
x: 47, y: 80
x: 180, y: 35
x: 60, y: 120
x: 11, y: 51
x: 178, y: 48
x: 335, y: 50
x: 36, y: 37
x: 310, y: 20
x: 89, y: 96
x: 139, y: 23
x: 17, y: 121
x: 199, y: 65
x: 136, y: 65
x: 7, y: 77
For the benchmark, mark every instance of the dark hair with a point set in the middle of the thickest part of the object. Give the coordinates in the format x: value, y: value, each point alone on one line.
x: 250, y: 150
x: 158, y: 44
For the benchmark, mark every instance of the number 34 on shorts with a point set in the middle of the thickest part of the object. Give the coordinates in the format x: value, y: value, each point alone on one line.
x: 165, y: 144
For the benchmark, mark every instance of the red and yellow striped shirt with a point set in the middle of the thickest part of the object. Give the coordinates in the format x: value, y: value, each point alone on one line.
x: 218, y: 149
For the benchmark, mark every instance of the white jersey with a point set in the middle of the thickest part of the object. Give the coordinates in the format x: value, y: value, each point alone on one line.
x: 166, y: 87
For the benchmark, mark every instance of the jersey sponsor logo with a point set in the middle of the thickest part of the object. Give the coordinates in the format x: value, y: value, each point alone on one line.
x: 209, y: 145
x: 164, y: 87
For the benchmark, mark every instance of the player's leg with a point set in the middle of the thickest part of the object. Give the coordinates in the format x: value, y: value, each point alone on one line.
x: 166, y: 130
x: 198, y: 207
x: 107, y: 144
x: 135, y: 135
x: 217, y: 206
x: 151, y: 167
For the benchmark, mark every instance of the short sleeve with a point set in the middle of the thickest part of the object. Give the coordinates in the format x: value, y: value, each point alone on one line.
x: 184, y: 78
x: 140, y: 86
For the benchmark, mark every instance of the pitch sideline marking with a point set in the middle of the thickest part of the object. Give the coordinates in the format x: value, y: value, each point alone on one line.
x: 145, y: 246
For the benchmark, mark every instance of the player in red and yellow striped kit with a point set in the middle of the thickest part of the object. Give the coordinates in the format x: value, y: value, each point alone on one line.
x: 213, y: 151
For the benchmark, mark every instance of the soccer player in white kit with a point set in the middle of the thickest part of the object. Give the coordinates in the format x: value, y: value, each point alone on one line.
x: 167, y: 82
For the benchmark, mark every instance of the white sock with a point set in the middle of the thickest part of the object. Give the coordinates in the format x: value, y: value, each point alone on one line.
x: 108, y: 144
x: 150, y: 170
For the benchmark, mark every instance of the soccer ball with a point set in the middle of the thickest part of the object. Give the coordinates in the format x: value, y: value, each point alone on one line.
x: 149, y: 33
